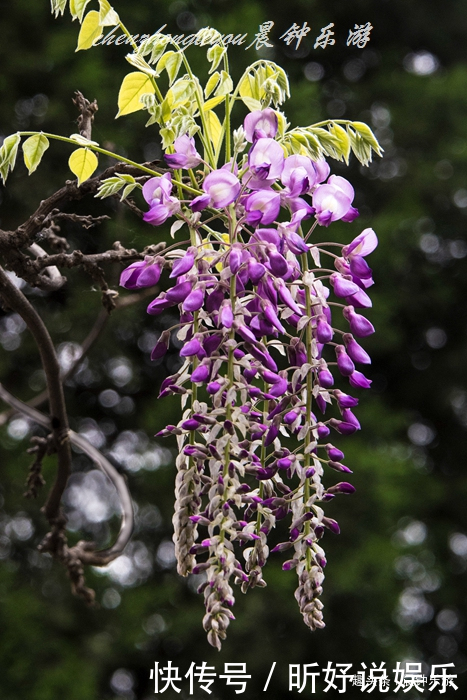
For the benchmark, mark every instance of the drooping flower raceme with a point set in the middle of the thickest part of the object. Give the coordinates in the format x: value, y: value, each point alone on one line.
x: 269, y: 354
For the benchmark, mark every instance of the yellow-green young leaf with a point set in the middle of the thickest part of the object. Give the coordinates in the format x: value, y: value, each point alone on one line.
x: 213, y: 102
x: 9, y: 149
x: 138, y: 62
x: 215, y: 128
x: 107, y: 15
x: 168, y: 136
x: 33, y: 150
x: 282, y: 123
x: 109, y: 186
x: 128, y: 189
x: 133, y: 87
x: 82, y: 163
x: 247, y: 87
x: 172, y: 66
x: 89, y: 32
x: 225, y: 86
x: 211, y: 84
x: 343, y: 139
x: 252, y: 104
x: 58, y: 7
x: 171, y: 62
x: 214, y: 56
x: 77, y: 8
x: 179, y: 94
x: 8, y: 153
x: 368, y: 136
x: 163, y: 60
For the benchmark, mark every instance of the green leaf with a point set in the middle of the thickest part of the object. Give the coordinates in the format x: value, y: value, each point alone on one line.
x: 82, y: 140
x: 137, y: 61
x: 215, y: 128
x: 283, y: 124
x: 179, y: 94
x: 82, y: 163
x: 128, y: 189
x: 33, y: 150
x: 90, y: 31
x: 225, y: 86
x: 282, y: 81
x: 134, y: 85
x: 213, y: 102
x: 267, y: 82
x: 248, y: 88
x: 214, y: 55
x: 77, y: 8
x: 8, y: 153
x: 343, y: 139
x: 328, y: 142
x: 172, y: 64
x: 368, y: 138
x: 58, y: 7
x: 251, y: 103
x: 155, y: 45
x: 168, y: 136
x: 314, y: 148
x: 110, y: 186
x: 211, y: 84
x: 107, y: 15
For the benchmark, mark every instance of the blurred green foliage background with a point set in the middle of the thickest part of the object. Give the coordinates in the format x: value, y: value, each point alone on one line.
x: 395, y: 586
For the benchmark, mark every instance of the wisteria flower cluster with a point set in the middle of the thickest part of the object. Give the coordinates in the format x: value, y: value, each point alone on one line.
x: 260, y: 353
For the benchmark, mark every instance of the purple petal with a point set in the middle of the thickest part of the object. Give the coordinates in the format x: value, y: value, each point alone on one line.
x: 179, y: 293
x: 356, y: 352
x: 260, y: 120
x: 200, y: 374
x: 180, y: 267
x: 359, y: 381
x: 191, y: 348
x: 359, y: 325
x: 194, y: 301
x: 344, y: 363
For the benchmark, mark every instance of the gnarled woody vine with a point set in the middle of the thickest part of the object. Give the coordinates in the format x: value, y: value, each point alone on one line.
x: 266, y: 315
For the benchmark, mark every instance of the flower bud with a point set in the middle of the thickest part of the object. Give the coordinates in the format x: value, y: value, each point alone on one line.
x: 344, y: 363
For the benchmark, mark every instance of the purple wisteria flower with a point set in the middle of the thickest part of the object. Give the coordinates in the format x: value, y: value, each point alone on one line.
x: 186, y: 155
x: 299, y: 175
x: 157, y: 193
x: 260, y: 124
x: 221, y: 188
x: 265, y: 161
x: 144, y: 273
x: 333, y: 201
x: 262, y: 207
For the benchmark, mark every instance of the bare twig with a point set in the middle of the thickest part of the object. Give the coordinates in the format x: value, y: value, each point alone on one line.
x: 85, y: 549
x: 87, y: 110
x: 59, y: 419
x: 78, y: 258
x: 56, y: 279
x: 25, y: 234
x: 41, y: 447
x: 86, y: 220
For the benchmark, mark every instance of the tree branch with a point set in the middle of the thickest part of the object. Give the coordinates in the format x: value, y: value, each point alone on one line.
x: 25, y: 234
x: 87, y: 110
x: 84, y: 549
x: 15, y: 299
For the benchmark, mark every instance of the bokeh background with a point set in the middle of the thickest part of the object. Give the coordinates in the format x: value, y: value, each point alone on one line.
x: 395, y: 586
